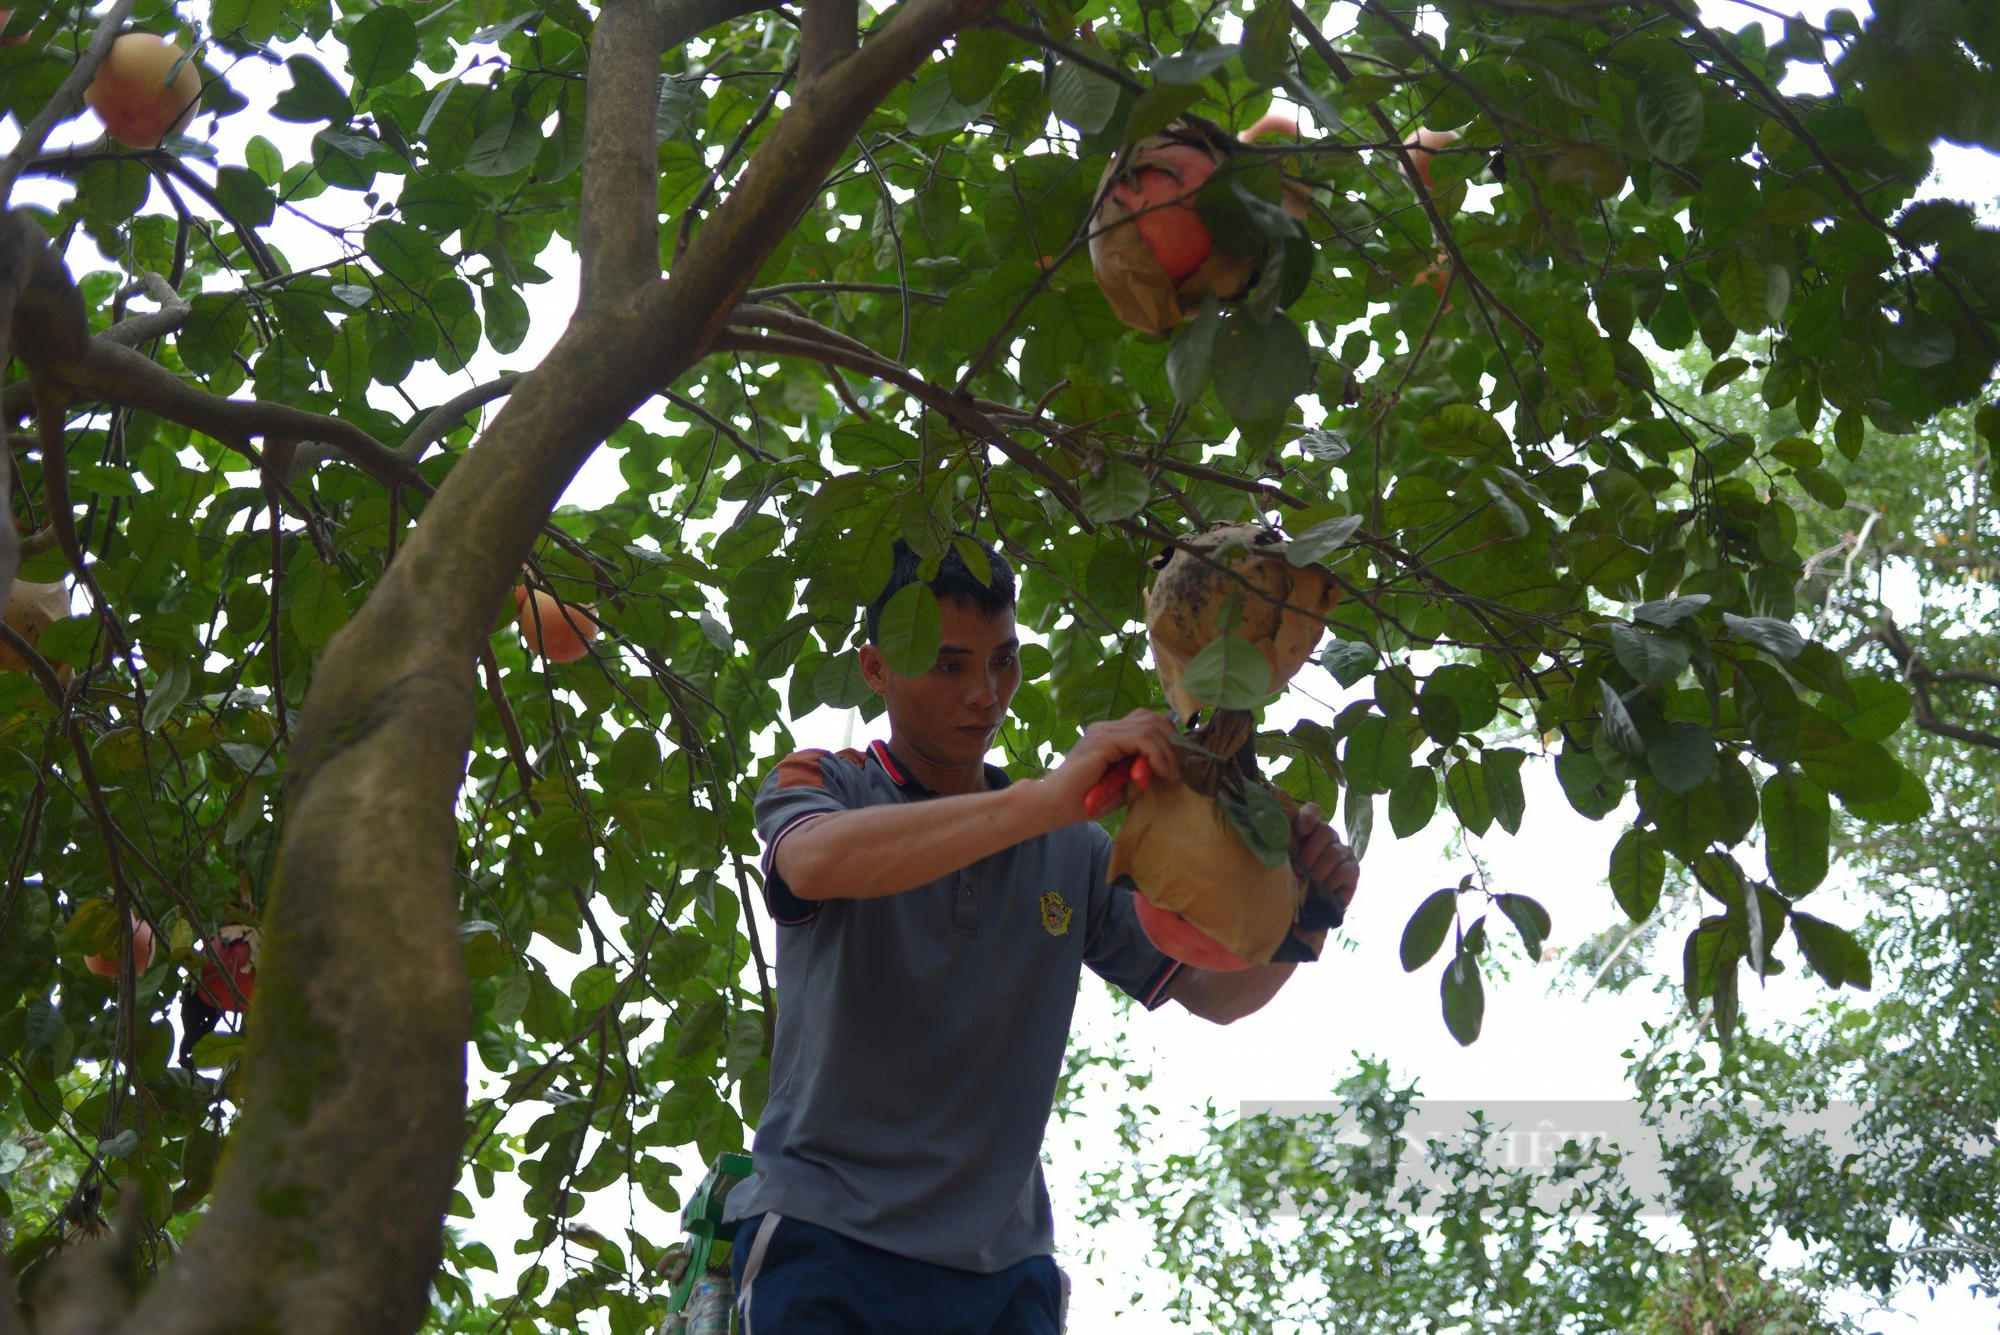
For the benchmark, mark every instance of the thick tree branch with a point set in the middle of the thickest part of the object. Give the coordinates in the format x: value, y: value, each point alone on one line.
x: 827, y: 33
x: 618, y: 228
x: 67, y: 96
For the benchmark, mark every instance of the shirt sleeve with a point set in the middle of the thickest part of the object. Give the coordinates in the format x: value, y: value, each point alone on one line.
x: 795, y: 792
x: 1115, y: 946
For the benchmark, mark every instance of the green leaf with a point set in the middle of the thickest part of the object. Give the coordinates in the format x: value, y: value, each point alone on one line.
x: 1323, y: 540
x: 1347, y: 661
x: 1427, y: 928
x: 1911, y: 801
x: 1854, y: 771
x: 484, y: 952
x: 1465, y: 790
x: 1880, y: 707
x: 1832, y: 952
x: 1190, y: 365
x: 1563, y: 69
x: 1228, y: 673
x: 1681, y: 756
x: 1653, y: 660
x: 1191, y: 67
x: 1376, y: 756
x: 1638, y: 870
x: 910, y: 630
x: 1669, y: 112
x: 1267, y: 46
x: 114, y: 190
x: 1464, y: 999
x: 1797, y: 832
x: 839, y: 684
x: 245, y: 196
x: 1921, y: 340
x: 1669, y: 612
x: 1413, y: 800
x: 1260, y: 368
x: 313, y: 96
x: 1752, y: 294
x: 1121, y: 493
x: 1530, y: 919
x: 1574, y: 354
x: 504, y: 147
x: 381, y: 46
x: 1724, y: 371
x: 1080, y: 98
x: 977, y: 64
x: 318, y: 608
x: 1159, y: 107
x: 1464, y: 431
x: 165, y: 697
x: 1504, y: 794
x: 1777, y: 638
x: 1618, y: 728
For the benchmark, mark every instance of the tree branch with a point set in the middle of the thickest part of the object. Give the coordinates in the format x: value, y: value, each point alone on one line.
x: 1921, y: 678
x: 828, y: 33
x: 439, y: 421
x: 60, y: 107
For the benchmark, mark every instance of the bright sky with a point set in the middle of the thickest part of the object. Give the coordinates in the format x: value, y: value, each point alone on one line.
x: 1534, y: 1046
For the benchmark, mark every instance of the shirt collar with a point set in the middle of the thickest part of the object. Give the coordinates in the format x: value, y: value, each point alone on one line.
x: 900, y: 773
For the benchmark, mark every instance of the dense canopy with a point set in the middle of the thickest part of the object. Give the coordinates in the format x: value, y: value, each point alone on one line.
x: 835, y: 288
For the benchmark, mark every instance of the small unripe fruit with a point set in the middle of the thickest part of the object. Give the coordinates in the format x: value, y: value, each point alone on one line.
x: 106, y: 966
x: 558, y: 631
x: 131, y: 94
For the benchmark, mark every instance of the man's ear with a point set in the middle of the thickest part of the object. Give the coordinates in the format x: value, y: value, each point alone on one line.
x: 874, y: 669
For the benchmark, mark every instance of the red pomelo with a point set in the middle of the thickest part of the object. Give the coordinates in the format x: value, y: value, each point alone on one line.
x: 1180, y: 939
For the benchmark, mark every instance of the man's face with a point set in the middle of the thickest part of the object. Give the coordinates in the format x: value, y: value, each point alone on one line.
x: 952, y: 713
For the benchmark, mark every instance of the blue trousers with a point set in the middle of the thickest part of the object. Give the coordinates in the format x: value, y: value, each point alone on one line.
x: 814, y: 1281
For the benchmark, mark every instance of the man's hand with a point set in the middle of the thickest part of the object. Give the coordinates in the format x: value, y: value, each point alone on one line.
x: 1319, y: 853
x: 1139, y: 733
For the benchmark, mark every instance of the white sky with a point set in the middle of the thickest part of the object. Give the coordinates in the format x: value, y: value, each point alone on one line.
x: 1534, y: 1046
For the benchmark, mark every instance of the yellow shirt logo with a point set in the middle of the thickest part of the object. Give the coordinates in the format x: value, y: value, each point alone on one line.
x: 1055, y: 914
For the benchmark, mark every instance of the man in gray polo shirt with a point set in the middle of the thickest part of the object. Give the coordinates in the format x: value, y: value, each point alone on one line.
x: 934, y: 919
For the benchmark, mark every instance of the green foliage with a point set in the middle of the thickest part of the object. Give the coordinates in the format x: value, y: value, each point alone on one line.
x: 1561, y: 549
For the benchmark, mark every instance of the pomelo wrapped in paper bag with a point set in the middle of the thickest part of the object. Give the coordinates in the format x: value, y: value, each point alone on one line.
x: 1210, y: 856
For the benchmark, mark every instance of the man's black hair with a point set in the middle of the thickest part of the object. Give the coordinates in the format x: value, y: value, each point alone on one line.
x: 954, y: 580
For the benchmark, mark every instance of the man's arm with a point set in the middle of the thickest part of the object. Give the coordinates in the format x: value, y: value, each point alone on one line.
x: 1227, y: 997
x: 876, y: 851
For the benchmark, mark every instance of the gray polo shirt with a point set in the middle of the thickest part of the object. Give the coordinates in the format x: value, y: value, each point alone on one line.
x: 920, y: 1035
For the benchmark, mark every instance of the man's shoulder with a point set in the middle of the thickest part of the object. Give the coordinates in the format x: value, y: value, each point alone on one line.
x: 807, y: 768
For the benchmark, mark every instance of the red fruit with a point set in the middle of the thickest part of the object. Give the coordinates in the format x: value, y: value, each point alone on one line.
x: 106, y: 966
x: 229, y: 968
x: 5, y: 16
x: 1422, y: 148
x: 131, y: 94
x: 558, y: 631
x: 1180, y: 939
x: 1161, y: 193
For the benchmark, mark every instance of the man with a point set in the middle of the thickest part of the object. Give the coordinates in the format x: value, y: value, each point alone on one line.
x: 934, y: 919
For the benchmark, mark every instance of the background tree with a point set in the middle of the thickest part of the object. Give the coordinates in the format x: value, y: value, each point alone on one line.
x: 1328, y: 1204
x: 851, y: 268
